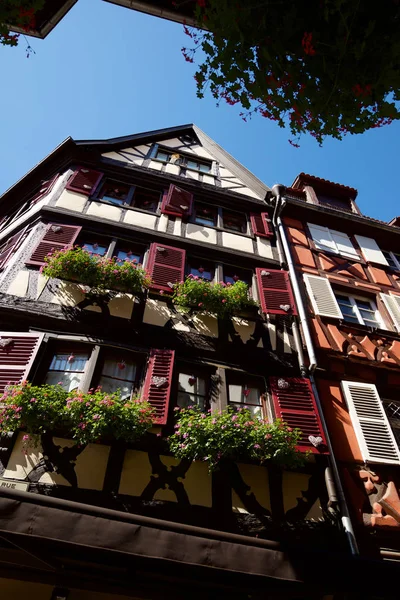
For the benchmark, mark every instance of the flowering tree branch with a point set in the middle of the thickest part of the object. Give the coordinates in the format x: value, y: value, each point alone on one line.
x: 17, y: 14
x: 323, y: 67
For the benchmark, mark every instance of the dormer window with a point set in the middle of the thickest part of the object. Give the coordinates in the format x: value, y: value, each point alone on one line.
x: 332, y: 202
x: 189, y: 162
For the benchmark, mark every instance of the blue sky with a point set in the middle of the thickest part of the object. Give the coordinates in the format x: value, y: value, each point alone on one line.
x: 106, y: 71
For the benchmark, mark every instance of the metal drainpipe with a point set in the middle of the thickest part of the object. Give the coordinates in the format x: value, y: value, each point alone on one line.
x: 277, y: 191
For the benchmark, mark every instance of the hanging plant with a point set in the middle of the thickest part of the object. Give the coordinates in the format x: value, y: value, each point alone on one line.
x: 236, y: 435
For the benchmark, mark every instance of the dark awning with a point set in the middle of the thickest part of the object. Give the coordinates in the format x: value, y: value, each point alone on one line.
x: 28, y: 516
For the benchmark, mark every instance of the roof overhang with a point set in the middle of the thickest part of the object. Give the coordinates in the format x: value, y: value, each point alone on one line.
x: 48, y: 17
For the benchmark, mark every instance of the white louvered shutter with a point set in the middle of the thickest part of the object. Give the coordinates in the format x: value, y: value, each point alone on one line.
x: 322, y: 297
x: 322, y: 238
x: 344, y: 245
x: 371, y: 426
x: 392, y: 303
x: 370, y: 250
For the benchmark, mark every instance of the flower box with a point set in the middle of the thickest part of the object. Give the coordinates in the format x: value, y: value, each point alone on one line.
x: 200, y: 295
x: 80, y: 266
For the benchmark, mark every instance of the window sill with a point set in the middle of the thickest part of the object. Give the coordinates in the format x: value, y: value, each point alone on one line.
x: 361, y: 329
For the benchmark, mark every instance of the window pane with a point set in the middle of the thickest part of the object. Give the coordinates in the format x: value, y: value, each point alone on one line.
x: 364, y: 304
x: 234, y: 222
x: 346, y: 309
x: 191, y: 164
x: 204, y: 168
x: 233, y: 275
x: 161, y: 155
x: 203, y: 272
x: 68, y: 381
x: 118, y: 374
x: 205, y: 215
x: 146, y: 199
x: 114, y: 192
x: 67, y: 370
x: 207, y: 221
x: 389, y: 259
x: 191, y: 391
x: 128, y: 255
x: 95, y: 249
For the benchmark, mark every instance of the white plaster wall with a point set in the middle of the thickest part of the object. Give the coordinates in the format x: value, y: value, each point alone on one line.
x: 68, y: 294
x: 237, y: 242
x: 121, y: 306
x: 41, y: 284
x: 201, y: 233
x: 172, y: 143
x: 200, y: 151
x: 272, y: 334
x: 264, y: 248
x: 192, y: 175
x: 19, y: 286
x: 71, y: 201
x: 173, y: 169
x: 155, y: 164
x: 134, y: 217
x: 244, y: 328
x: 90, y: 466
x: 208, y: 179
x: 104, y: 211
x: 178, y: 226
x: 156, y: 312
x: 36, y: 207
x: 163, y: 223
x: 206, y: 325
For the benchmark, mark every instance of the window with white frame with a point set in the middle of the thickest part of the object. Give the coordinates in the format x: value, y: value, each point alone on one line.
x: 392, y: 410
x: 393, y: 259
x: 334, y: 241
x: 356, y: 309
x: 78, y: 366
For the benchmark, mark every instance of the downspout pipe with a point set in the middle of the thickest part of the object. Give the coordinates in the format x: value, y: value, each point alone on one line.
x: 278, y: 192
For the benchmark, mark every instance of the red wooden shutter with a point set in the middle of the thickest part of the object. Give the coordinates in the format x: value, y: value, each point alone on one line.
x: 45, y: 189
x: 295, y: 404
x: 275, y: 292
x: 10, y: 247
x: 17, y: 353
x: 55, y: 237
x: 84, y: 181
x: 157, y: 384
x: 260, y: 224
x: 177, y: 202
x: 166, y: 265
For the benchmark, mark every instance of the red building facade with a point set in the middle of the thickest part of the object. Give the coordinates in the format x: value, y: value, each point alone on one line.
x: 348, y: 269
